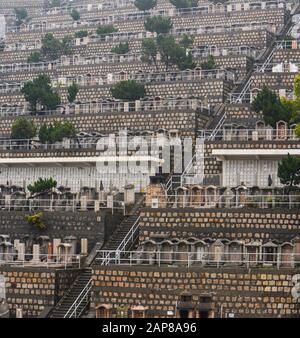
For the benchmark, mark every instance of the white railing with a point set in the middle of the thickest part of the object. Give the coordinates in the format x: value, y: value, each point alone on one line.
x: 99, y: 107
x: 202, y: 199
x: 263, y: 134
x: 203, y: 257
x: 54, y: 205
x: 127, y: 36
x: 139, y: 15
x: 289, y: 67
x: 111, y: 79
x: 19, y: 259
x: 129, y: 238
x: 74, y: 311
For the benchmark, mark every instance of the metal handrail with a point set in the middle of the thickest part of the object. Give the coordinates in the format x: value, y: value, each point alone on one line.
x: 80, y: 297
x: 122, y: 246
x: 190, y: 258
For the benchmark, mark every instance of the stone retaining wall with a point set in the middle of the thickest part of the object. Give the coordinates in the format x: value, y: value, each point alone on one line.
x: 243, y: 224
x: 246, y: 293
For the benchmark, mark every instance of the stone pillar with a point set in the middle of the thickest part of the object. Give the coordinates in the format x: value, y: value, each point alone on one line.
x: 84, y: 246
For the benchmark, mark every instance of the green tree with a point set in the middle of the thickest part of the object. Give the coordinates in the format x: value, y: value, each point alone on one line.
x: 209, y: 64
x: 297, y: 87
x: 35, y: 57
x: 268, y: 102
x: 149, y: 51
x: 186, y: 41
x: 22, y: 129
x: 39, y: 91
x: 145, y: 5
x: 81, y: 34
x: 55, y: 3
x: 56, y: 132
x: 128, y: 91
x: 179, y: 4
x: 53, y: 48
x: 121, y: 48
x: 297, y: 130
x: 75, y: 15
x: 106, y: 29
x: 173, y: 54
x: 289, y: 172
x: 72, y: 92
x: 158, y: 24
x: 2, y: 45
x: 42, y: 185
x: 21, y: 15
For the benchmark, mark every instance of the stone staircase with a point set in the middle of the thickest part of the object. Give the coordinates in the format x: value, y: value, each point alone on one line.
x: 76, y: 301
x: 63, y: 308
x: 119, y: 234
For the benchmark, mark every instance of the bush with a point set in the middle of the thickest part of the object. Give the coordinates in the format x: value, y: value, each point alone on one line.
x: 106, y: 29
x: 209, y: 64
x: 81, y: 34
x: 35, y: 57
x: 145, y: 5
x: 42, y: 185
x: 184, y: 3
x: 128, y: 91
x: 39, y: 91
x: 53, y: 48
x: 75, y: 15
x: 36, y: 221
x: 122, y: 48
x: 158, y: 24
x: 72, y: 92
x: 269, y: 103
x: 56, y: 132
x: 21, y: 15
x: 22, y: 128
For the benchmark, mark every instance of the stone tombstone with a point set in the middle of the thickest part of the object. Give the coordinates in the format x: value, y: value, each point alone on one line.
x: 84, y: 246
x: 56, y: 243
x: 282, y: 92
x: 21, y: 251
x: 281, y: 130
x: 83, y: 203
x: 269, y: 133
x: 66, y: 143
x: 110, y: 201
x: 72, y: 240
x: 228, y: 198
x: 19, y: 312
x: 129, y: 194
x: 126, y: 107
x: 110, y: 78
x: 137, y: 105
x: 16, y: 244
x: 7, y: 199
x: 36, y: 253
